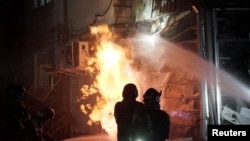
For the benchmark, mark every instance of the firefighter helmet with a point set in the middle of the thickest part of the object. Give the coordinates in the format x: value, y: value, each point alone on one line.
x: 47, y: 113
x: 15, y: 91
x: 151, y: 96
x: 130, y: 91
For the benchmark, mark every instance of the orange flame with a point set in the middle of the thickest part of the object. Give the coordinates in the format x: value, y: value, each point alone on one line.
x: 112, y: 63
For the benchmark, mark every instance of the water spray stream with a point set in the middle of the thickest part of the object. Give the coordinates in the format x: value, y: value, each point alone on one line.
x: 117, y: 64
x: 166, y: 54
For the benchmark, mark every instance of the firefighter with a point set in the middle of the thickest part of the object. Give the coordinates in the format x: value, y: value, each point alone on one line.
x: 36, y: 130
x: 129, y: 114
x: 16, y: 117
x: 159, y: 119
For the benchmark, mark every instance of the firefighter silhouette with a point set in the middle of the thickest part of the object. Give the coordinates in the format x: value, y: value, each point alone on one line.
x: 159, y: 120
x: 129, y: 115
x: 16, y: 117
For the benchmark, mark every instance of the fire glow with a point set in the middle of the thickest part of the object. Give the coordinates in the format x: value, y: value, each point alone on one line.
x: 112, y: 63
x: 114, y: 67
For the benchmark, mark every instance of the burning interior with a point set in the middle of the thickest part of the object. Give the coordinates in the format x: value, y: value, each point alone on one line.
x: 147, y: 61
x: 155, y: 43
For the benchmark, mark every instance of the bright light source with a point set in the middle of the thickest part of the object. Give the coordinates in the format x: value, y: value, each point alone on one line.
x: 138, y: 139
x: 195, y: 9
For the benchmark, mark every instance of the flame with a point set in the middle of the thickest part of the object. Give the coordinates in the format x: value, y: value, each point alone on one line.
x: 112, y: 64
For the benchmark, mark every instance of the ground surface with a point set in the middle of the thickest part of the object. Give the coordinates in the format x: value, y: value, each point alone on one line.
x: 92, y: 138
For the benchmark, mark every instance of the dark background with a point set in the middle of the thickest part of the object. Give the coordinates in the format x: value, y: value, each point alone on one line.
x: 12, y: 37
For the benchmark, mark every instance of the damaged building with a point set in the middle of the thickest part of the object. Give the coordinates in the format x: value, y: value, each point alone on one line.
x: 203, y: 72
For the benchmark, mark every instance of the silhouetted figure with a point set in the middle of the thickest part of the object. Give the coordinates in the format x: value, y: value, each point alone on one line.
x: 16, y: 117
x: 129, y: 114
x: 159, y: 119
x: 36, y: 128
